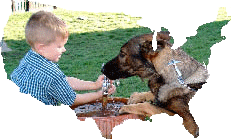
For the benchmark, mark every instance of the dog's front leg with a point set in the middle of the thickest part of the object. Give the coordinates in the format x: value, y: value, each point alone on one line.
x: 181, y: 107
x: 145, y: 109
x: 140, y: 97
x: 154, y: 83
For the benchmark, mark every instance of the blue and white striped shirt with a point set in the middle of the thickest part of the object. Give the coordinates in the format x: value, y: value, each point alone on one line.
x: 43, y: 79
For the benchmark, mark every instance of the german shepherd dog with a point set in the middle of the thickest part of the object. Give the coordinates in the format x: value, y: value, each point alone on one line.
x: 167, y: 94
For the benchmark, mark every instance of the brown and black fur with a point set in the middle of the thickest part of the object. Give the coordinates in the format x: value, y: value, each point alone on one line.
x: 138, y: 58
x: 131, y: 61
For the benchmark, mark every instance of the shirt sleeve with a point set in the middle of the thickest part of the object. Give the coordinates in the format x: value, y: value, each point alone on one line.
x: 61, y: 90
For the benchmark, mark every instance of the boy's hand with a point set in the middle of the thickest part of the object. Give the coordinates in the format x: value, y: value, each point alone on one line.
x: 99, y: 82
x: 111, y: 90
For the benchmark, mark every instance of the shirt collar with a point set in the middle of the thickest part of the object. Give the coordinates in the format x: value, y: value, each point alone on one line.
x: 36, y: 55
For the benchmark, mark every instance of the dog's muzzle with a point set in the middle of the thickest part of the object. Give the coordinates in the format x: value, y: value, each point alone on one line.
x: 113, y: 71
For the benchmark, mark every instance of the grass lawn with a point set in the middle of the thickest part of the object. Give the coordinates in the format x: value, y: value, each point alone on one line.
x: 98, y: 39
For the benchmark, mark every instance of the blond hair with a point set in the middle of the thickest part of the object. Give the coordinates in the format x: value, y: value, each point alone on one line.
x: 44, y: 27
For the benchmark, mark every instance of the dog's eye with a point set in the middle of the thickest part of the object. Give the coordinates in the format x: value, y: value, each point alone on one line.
x: 122, y: 55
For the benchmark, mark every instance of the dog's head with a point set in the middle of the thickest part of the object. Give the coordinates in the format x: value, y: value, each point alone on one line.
x: 135, y: 57
x: 131, y: 61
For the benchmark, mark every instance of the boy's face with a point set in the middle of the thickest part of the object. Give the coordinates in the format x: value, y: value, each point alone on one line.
x: 54, y: 50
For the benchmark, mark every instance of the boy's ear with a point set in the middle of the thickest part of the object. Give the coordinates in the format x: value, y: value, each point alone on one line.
x: 39, y: 48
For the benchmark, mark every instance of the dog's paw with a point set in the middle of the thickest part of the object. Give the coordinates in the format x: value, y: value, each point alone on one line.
x: 136, y: 98
x: 139, y: 109
x: 125, y: 109
x: 196, y: 134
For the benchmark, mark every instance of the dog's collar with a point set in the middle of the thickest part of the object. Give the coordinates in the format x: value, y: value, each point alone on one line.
x: 179, y: 74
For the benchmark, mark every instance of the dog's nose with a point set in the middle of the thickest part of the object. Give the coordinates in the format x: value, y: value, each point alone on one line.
x: 107, y: 70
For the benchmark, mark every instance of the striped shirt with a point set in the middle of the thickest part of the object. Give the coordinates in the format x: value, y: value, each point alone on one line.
x: 43, y: 79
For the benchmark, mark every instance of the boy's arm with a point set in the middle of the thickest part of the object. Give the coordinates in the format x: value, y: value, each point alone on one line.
x: 89, y: 97
x: 86, y: 98
x: 77, y: 84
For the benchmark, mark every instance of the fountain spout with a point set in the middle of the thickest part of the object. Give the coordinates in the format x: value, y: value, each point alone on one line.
x: 106, y: 86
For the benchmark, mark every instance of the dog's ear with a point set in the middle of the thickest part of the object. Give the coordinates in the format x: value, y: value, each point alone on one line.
x: 163, y: 35
x: 163, y: 39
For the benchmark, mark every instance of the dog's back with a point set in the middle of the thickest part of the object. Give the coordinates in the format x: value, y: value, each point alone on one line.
x: 188, y: 66
x: 192, y: 71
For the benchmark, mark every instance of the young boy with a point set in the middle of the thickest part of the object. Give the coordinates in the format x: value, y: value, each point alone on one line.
x: 39, y: 75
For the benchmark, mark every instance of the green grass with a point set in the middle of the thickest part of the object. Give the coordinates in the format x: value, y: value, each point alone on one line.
x: 198, y: 46
x: 92, y: 42
x: 97, y: 40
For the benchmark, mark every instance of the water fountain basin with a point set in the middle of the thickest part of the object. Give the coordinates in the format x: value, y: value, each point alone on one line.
x: 106, y: 122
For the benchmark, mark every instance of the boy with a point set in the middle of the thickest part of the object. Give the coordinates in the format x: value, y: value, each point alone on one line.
x: 38, y: 75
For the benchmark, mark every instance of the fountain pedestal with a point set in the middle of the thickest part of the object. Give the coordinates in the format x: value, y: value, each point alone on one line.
x: 106, y: 124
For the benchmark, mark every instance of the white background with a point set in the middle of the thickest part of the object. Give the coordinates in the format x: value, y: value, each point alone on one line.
x: 210, y: 106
